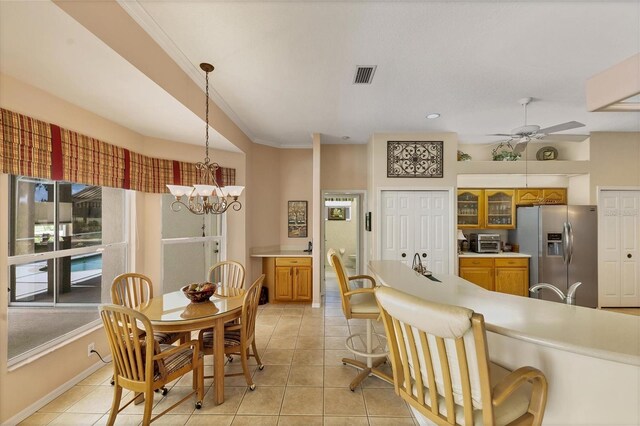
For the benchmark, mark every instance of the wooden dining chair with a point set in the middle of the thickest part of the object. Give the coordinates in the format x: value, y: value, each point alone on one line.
x: 132, y: 290
x: 228, y: 272
x: 360, y: 303
x: 240, y: 339
x: 142, y: 365
x: 441, y: 366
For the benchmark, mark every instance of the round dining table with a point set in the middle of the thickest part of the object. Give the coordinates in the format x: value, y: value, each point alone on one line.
x: 173, y: 312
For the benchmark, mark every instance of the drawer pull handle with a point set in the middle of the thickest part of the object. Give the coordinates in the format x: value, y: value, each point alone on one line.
x: 475, y: 262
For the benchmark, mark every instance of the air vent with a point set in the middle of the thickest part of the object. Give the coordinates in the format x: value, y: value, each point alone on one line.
x: 364, y: 74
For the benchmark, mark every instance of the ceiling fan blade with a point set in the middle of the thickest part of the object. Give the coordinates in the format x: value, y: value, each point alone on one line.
x: 565, y: 138
x: 520, y: 147
x: 560, y: 127
x: 501, y: 134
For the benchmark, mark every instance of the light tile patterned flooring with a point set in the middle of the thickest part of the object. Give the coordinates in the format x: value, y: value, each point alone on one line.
x: 303, y: 382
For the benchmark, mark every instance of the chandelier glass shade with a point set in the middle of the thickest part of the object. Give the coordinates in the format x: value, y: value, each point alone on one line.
x: 209, y: 198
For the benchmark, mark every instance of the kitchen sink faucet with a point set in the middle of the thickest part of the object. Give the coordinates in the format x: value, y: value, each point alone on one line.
x: 569, y: 299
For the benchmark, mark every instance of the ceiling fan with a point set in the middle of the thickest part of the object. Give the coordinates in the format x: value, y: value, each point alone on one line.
x: 525, y: 134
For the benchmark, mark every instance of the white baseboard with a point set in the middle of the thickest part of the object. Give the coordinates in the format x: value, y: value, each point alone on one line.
x: 54, y: 394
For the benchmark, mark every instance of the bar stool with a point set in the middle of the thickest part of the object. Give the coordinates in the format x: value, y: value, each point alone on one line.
x: 361, y: 303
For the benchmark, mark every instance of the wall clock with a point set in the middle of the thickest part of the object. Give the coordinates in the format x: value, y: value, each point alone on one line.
x: 547, y: 153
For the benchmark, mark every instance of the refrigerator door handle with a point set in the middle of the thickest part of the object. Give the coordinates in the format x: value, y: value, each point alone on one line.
x: 570, y: 244
x: 565, y: 243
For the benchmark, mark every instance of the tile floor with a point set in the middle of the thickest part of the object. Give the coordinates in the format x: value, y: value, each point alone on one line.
x: 303, y: 382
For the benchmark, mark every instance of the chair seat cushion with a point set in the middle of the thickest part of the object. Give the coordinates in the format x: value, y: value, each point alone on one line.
x: 174, y: 362
x: 166, y: 338
x: 231, y: 338
x: 364, y: 303
x: 513, y: 407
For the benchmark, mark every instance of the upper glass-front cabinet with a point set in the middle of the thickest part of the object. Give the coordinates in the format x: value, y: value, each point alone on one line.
x: 500, y: 208
x: 470, y: 208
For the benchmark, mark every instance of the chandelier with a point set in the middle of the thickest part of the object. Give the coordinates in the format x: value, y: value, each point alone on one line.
x: 211, y: 198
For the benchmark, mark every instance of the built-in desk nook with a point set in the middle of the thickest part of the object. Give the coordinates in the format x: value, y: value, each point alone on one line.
x: 288, y: 275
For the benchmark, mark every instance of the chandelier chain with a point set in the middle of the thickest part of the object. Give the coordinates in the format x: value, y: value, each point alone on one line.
x: 206, y: 160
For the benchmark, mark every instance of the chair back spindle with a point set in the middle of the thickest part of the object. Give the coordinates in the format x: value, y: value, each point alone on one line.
x: 228, y: 272
x: 131, y: 290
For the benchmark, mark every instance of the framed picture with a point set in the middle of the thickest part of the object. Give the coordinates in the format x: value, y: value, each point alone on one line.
x: 415, y: 159
x: 337, y: 213
x: 297, y: 219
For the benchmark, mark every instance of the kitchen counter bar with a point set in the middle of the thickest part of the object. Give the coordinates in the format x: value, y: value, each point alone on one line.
x: 591, y: 358
x: 591, y: 332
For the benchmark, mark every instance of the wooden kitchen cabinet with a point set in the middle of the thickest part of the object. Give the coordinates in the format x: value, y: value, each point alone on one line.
x: 512, y: 276
x: 500, y: 208
x: 470, y: 208
x: 478, y: 270
x: 554, y: 196
x: 528, y: 196
x: 504, y: 275
x: 292, y: 279
x: 538, y: 196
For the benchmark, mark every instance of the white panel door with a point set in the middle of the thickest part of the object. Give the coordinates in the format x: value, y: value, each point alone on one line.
x: 416, y: 222
x: 630, y: 238
x: 619, y: 269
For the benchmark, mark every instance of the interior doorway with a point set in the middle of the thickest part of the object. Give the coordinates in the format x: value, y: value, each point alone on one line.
x: 342, y: 231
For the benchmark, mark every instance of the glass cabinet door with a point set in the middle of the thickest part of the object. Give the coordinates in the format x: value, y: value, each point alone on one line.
x: 500, y: 205
x: 470, y: 211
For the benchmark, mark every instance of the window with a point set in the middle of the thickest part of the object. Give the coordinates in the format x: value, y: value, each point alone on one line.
x: 67, y: 243
x: 191, y: 244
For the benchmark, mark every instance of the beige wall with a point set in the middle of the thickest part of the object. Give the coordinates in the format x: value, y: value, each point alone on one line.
x: 379, y: 180
x: 615, y: 160
x: 263, y: 192
x: 70, y: 359
x: 296, y: 175
x: 343, y: 167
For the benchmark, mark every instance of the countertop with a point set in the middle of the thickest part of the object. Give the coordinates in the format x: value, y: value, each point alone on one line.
x: 501, y: 254
x: 282, y: 253
x: 590, y: 332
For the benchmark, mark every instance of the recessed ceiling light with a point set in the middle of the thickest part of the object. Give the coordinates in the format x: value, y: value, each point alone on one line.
x: 433, y: 115
x: 346, y: 137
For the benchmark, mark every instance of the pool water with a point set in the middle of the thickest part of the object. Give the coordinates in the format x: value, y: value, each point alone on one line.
x: 86, y: 263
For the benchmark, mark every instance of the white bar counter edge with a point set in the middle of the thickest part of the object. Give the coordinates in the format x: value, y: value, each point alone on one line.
x: 590, y: 357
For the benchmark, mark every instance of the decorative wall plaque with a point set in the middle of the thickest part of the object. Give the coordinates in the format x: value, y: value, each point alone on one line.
x: 415, y: 159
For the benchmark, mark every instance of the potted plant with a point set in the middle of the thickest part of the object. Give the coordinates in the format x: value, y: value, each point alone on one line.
x: 504, y: 152
x: 463, y: 156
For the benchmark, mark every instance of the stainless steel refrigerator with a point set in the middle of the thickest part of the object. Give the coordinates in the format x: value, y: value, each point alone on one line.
x: 563, y: 244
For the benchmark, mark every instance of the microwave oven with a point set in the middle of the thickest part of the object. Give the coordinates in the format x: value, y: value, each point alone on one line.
x: 484, y: 243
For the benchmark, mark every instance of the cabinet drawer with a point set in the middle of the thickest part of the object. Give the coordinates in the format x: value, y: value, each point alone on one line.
x: 293, y: 261
x: 506, y: 263
x: 476, y: 262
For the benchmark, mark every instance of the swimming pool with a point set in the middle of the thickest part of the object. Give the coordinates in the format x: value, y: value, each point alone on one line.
x: 86, y: 262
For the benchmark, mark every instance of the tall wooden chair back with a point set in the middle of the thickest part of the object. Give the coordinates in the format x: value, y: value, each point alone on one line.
x: 131, y: 289
x: 250, y: 311
x: 141, y: 364
x: 227, y: 272
x: 441, y: 366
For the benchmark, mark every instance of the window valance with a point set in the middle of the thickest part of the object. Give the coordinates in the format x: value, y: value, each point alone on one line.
x: 35, y: 148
